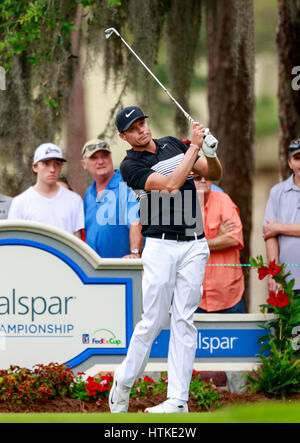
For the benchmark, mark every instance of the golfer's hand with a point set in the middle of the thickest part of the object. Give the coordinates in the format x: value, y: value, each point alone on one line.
x: 210, y: 145
x: 198, y: 132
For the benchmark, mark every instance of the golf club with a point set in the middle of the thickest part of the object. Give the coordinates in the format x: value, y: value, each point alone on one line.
x: 108, y: 34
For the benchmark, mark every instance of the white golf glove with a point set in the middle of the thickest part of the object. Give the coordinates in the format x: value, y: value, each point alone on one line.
x: 210, y: 145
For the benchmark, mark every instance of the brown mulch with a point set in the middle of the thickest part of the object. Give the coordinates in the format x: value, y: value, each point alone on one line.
x: 136, y: 405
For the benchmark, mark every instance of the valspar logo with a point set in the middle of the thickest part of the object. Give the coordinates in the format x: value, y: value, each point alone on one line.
x: 34, y: 307
x: 213, y: 343
x: 105, y: 337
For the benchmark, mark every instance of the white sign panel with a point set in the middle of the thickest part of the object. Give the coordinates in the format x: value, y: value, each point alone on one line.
x: 50, y: 311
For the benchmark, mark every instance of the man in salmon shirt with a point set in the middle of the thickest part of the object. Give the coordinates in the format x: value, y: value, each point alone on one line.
x: 223, y: 286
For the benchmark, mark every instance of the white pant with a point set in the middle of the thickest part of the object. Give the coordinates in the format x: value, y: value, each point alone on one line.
x: 173, y: 276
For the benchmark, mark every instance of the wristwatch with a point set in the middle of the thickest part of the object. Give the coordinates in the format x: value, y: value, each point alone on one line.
x: 135, y: 251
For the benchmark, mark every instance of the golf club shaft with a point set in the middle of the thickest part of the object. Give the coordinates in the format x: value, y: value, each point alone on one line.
x: 109, y: 32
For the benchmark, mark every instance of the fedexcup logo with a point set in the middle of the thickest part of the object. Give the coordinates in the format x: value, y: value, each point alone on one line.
x: 105, y: 337
x: 2, y: 79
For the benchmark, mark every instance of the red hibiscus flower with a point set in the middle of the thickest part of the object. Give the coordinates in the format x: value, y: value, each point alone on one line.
x: 274, y: 269
x: 262, y: 272
x: 279, y: 300
x: 272, y: 300
x: 282, y: 299
x: 148, y: 379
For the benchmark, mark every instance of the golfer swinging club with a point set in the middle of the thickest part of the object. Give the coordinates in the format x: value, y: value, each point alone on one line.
x: 175, y: 253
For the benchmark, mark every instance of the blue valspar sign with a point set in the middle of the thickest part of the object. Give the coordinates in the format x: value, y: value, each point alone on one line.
x: 216, y: 343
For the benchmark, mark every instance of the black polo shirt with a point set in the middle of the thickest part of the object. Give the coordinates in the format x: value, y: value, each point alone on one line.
x: 162, y: 212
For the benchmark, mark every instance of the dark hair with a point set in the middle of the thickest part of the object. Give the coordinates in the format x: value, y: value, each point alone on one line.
x: 64, y: 179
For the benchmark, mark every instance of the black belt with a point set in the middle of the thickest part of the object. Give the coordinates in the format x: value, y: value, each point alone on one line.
x: 177, y: 237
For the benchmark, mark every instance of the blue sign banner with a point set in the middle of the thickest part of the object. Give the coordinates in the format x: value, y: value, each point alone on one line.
x: 216, y: 343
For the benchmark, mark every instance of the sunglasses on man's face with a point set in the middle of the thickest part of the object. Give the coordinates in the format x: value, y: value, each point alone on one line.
x: 90, y: 148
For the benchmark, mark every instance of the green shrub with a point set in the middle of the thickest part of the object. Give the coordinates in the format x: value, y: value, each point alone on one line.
x: 279, y: 374
x: 142, y: 387
x: 205, y: 393
x: 94, y: 388
x: 45, y: 382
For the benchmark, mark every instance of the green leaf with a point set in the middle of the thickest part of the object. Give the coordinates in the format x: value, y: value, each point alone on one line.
x: 114, y: 2
x: 264, y: 338
x: 51, y: 102
x: 290, y: 284
x: 253, y: 262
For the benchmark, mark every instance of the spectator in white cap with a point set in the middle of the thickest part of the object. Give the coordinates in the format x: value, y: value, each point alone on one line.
x: 47, y: 202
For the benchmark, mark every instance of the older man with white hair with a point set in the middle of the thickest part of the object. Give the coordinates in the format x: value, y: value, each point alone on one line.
x: 112, y: 226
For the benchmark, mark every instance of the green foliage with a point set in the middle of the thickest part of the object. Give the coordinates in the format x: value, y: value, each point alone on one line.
x: 205, y: 393
x: 24, y: 24
x: 20, y: 385
x: 162, y: 384
x: 28, y: 27
x: 94, y: 388
x: 285, y: 305
x: 79, y: 390
x: 142, y: 387
x: 279, y: 374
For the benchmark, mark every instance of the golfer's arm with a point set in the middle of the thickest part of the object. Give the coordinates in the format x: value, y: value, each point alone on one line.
x: 209, y: 168
x: 173, y: 181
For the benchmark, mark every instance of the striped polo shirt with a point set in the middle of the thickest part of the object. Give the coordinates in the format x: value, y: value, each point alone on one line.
x: 161, y: 212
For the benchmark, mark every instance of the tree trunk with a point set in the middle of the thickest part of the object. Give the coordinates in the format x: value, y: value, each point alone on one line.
x: 76, y: 121
x: 230, y: 45
x: 288, y: 45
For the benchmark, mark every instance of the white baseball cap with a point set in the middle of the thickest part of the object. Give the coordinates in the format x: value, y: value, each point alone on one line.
x: 47, y: 151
